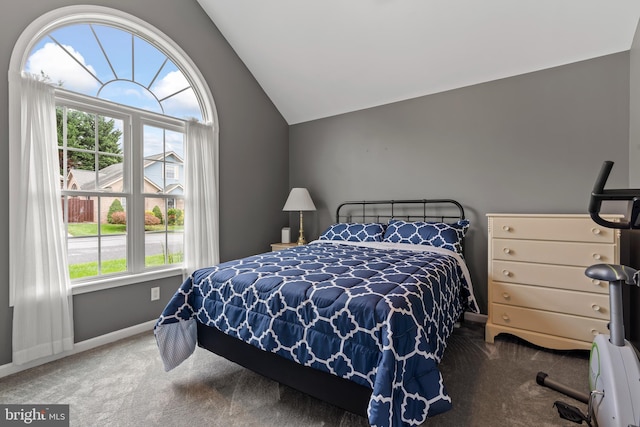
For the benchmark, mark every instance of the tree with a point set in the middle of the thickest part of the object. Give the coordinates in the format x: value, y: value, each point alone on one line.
x: 157, y: 212
x: 81, y: 134
x: 116, y: 206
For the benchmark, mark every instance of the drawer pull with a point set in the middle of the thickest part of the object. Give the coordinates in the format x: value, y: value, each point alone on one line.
x: 596, y: 282
x: 506, y: 228
x: 594, y: 332
x: 597, y: 256
x: 505, y: 317
x: 596, y: 307
x: 595, y: 231
x: 507, y: 250
x: 505, y: 295
x: 506, y: 273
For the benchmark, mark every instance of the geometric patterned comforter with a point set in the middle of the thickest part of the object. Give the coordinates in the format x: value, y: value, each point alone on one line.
x: 378, y: 314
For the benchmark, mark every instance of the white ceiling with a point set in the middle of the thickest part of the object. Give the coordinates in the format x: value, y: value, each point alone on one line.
x: 318, y: 58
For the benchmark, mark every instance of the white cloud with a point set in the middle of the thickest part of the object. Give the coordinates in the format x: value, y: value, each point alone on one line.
x: 60, y: 67
x: 173, y: 82
x: 184, y: 104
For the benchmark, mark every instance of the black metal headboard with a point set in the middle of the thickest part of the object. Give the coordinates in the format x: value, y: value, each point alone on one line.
x: 441, y: 210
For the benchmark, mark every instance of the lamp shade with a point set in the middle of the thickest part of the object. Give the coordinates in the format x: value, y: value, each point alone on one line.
x: 299, y: 200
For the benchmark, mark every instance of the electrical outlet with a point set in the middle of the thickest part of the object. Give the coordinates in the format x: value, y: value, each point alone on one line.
x: 155, y: 294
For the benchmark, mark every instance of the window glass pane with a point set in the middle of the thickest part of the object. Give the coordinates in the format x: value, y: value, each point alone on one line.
x: 164, y: 161
x: 155, y: 231
x: 60, y: 66
x: 148, y: 62
x: 83, y: 258
x: 175, y: 230
x: 117, y: 45
x: 174, y: 143
x: 129, y: 93
x: 153, y: 177
x: 169, y: 81
x: 81, y: 215
x: 184, y: 105
x: 153, y: 142
x: 96, y: 246
x: 111, y: 176
x: 81, y: 130
x: 113, y: 236
x: 81, y: 42
x: 110, y: 132
x: 164, y: 227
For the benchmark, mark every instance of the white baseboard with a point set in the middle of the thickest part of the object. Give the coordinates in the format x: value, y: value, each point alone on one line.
x: 79, y: 347
x: 475, y: 317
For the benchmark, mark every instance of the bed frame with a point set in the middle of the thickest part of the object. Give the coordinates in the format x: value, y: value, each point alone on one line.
x: 321, y: 385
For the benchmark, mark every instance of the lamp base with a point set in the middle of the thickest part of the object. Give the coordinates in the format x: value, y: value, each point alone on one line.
x: 301, y: 239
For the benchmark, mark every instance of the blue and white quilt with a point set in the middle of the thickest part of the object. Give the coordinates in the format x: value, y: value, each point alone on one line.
x: 376, y: 313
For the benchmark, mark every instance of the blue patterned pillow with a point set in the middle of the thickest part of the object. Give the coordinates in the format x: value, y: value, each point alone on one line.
x: 439, y: 234
x: 354, y: 232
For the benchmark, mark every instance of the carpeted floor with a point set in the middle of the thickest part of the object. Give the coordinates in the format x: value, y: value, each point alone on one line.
x: 123, y: 384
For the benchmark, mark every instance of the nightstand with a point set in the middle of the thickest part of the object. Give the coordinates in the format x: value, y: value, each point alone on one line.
x: 280, y: 246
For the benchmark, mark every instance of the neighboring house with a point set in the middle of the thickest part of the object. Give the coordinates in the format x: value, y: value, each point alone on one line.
x: 170, y: 165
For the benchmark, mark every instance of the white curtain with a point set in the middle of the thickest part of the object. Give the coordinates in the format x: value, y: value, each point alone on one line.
x: 201, y: 237
x: 39, y: 278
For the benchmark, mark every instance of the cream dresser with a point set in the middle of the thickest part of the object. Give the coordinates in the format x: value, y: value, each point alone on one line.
x: 537, y: 287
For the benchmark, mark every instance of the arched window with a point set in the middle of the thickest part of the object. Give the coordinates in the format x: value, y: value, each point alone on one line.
x: 113, y: 63
x: 124, y: 93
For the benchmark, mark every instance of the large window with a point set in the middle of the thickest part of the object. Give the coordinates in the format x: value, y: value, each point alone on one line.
x: 123, y: 94
x: 120, y: 179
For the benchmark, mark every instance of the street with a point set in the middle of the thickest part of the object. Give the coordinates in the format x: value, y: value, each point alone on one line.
x: 84, y: 249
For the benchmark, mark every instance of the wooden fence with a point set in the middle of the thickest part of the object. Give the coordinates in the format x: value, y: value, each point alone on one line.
x: 80, y: 210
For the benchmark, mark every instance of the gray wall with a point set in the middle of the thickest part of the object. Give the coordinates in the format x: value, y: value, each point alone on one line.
x: 634, y: 112
x: 531, y: 143
x: 253, y: 153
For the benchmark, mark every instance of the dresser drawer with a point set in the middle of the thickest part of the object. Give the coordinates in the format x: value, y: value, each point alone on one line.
x: 548, y: 299
x: 546, y: 322
x: 548, y: 275
x: 569, y: 228
x: 552, y: 252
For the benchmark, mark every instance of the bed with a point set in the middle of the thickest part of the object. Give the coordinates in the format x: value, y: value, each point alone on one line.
x: 358, y: 318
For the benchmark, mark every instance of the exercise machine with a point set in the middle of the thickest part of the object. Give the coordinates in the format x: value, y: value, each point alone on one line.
x: 614, y: 364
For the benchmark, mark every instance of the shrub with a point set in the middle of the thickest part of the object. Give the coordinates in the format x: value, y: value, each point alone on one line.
x: 150, y: 219
x: 175, y: 217
x: 158, y: 213
x: 118, y: 218
x: 116, y: 206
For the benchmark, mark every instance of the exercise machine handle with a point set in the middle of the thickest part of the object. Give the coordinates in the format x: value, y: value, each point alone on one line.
x: 599, y: 194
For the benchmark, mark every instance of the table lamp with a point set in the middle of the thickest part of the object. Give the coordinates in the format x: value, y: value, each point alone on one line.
x: 299, y: 200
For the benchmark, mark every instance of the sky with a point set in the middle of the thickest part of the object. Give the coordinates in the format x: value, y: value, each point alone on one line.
x: 112, y: 64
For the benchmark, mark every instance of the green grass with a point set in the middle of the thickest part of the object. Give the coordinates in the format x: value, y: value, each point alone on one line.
x: 90, y: 269
x: 81, y: 229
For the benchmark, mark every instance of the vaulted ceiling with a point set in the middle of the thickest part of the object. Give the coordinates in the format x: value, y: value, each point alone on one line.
x: 318, y: 58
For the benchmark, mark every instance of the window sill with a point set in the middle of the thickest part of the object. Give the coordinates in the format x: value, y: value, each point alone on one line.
x: 114, y: 282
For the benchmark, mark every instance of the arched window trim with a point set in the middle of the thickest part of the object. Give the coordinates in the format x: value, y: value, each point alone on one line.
x: 102, y: 15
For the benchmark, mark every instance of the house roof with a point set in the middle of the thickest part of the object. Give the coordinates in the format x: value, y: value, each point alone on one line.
x: 111, y: 174
x: 321, y: 58
x: 106, y: 177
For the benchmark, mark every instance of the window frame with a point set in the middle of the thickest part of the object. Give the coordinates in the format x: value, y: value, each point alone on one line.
x: 133, y: 174
x: 78, y: 14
